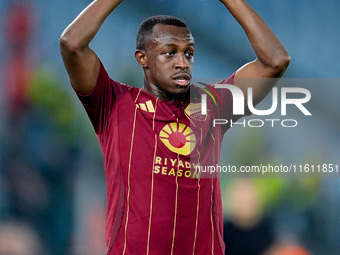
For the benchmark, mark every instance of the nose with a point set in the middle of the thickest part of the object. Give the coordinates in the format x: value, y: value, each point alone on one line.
x: 181, y: 62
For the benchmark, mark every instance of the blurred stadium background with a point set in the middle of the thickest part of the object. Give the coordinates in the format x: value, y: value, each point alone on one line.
x: 52, y: 190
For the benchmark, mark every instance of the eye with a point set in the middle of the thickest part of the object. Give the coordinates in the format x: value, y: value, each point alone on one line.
x: 189, y: 54
x: 168, y: 53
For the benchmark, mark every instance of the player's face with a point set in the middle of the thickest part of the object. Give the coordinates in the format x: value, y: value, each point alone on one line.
x: 170, y: 59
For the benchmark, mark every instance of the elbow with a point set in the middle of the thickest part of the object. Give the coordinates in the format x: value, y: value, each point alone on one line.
x: 68, y: 46
x: 283, y: 61
x: 280, y: 64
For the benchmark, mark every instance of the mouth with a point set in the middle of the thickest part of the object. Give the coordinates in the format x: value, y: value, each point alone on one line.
x: 182, y: 80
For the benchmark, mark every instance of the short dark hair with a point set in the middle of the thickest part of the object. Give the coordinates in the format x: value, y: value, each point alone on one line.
x: 145, y: 28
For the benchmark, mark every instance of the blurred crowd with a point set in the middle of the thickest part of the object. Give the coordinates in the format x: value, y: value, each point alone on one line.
x: 39, y: 152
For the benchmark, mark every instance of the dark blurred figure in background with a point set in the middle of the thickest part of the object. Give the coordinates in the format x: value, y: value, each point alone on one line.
x: 247, y: 231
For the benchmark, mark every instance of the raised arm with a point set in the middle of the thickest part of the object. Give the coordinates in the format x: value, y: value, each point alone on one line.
x: 81, y: 63
x: 272, y: 58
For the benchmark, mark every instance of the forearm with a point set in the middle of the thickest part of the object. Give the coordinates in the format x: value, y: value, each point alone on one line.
x: 82, y: 30
x: 81, y: 63
x: 268, y: 49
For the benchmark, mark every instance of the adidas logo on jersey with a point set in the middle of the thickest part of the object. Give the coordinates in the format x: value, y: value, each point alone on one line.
x: 147, y: 106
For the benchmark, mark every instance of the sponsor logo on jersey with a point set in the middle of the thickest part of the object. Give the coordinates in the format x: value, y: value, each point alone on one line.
x: 176, y: 167
x: 178, y: 138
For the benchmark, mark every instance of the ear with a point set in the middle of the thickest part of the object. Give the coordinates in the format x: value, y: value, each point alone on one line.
x: 141, y: 58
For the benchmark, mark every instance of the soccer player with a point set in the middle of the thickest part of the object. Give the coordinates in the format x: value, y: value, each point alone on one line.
x: 152, y: 137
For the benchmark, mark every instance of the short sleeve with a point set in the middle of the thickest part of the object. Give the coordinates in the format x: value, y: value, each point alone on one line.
x: 100, y: 102
x: 226, y: 98
x: 227, y: 104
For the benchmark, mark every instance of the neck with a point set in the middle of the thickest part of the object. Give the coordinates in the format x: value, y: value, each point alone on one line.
x: 164, y: 96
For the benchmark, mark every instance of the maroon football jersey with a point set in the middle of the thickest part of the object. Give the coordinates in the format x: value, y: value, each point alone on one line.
x: 156, y: 203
